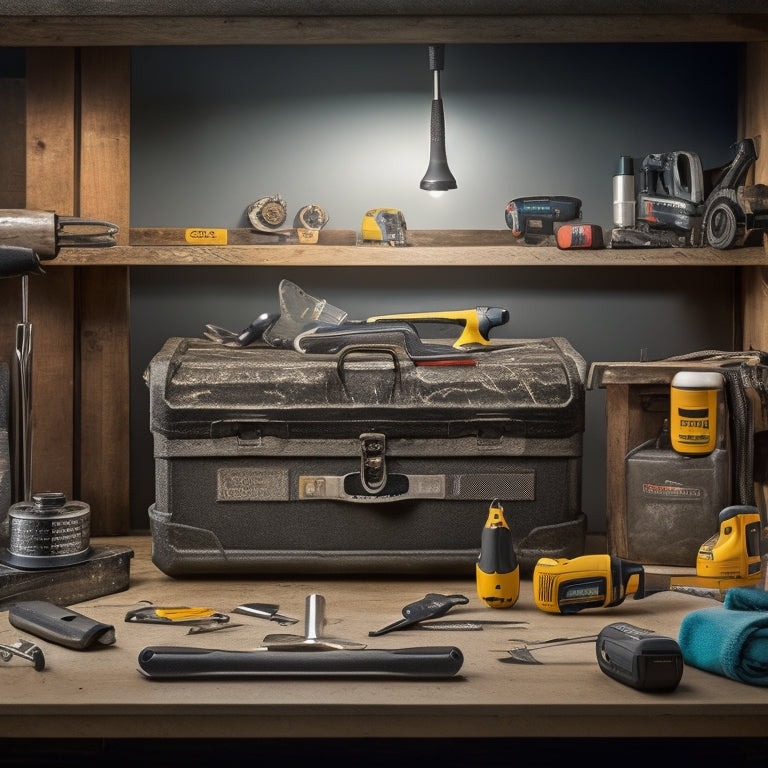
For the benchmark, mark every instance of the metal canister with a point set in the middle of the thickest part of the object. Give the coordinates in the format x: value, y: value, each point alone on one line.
x: 695, y: 398
x: 48, y: 531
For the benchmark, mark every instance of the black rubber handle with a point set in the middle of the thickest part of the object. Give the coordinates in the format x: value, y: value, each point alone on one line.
x: 60, y: 625
x: 174, y: 663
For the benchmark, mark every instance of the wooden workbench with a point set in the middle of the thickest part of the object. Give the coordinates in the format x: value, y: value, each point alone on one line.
x: 100, y: 693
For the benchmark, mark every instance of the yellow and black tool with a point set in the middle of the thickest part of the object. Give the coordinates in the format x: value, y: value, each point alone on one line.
x: 591, y: 581
x: 497, y: 570
x: 694, y: 398
x: 733, y: 553
x: 384, y: 226
x: 477, y: 322
x: 150, y: 614
x: 730, y: 558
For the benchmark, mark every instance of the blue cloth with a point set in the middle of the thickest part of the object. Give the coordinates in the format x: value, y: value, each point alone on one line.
x: 732, y: 639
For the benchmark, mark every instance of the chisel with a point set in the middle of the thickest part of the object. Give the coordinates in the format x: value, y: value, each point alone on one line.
x: 176, y: 663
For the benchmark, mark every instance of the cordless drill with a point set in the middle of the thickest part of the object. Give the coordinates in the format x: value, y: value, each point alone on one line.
x: 730, y: 558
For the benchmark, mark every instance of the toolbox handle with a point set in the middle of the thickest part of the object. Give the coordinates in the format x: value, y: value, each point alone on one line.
x: 374, y: 349
x: 399, y: 487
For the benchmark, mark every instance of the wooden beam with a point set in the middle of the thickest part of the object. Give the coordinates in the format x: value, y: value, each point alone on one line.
x: 103, y: 299
x: 754, y: 280
x: 123, y: 30
x: 50, y: 181
x: 12, y: 195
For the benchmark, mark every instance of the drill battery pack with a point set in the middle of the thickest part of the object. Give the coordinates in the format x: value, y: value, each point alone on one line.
x: 639, y: 657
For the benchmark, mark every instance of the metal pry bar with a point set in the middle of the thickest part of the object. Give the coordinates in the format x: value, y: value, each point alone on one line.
x: 26, y: 650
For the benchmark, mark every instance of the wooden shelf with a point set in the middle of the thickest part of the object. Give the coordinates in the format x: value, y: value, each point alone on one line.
x: 408, y: 256
x: 119, y: 28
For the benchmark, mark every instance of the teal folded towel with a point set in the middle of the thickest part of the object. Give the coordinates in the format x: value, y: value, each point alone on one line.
x: 731, y: 640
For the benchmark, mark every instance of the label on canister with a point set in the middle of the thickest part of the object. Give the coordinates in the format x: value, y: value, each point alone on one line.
x: 694, y: 399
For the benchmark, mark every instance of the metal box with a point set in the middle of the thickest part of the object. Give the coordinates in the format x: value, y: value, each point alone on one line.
x: 272, y: 461
x: 673, y: 503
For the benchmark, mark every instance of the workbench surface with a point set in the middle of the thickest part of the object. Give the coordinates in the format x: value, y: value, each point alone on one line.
x: 99, y: 693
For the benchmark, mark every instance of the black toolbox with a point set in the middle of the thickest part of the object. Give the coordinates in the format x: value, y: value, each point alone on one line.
x: 273, y: 461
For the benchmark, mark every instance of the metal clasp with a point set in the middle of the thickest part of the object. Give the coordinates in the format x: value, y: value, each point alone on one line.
x: 373, y: 463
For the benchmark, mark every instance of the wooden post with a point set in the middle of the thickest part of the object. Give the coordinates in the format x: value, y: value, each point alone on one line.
x: 77, y: 147
x: 50, y: 186
x: 103, y: 292
x: 754, y: 282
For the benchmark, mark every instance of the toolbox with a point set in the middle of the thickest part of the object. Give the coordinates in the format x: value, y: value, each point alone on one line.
x: 269, y: 460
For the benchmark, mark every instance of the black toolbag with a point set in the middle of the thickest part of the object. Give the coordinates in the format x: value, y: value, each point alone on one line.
x: 273, y: 461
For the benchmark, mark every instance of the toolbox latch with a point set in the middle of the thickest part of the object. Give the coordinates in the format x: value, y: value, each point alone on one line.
x: 373, y: 462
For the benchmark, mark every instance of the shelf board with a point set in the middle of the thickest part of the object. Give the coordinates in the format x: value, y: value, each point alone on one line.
x: 170, y: 28
x: 413, y: 256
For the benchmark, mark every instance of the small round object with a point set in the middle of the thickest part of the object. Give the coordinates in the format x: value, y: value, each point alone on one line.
x: 721, y: 224
x: 38, y: 659
x: 267, y: 214
x: 311, y: 217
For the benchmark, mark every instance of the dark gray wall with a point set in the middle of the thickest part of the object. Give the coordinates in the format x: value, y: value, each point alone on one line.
x: 213, y: 129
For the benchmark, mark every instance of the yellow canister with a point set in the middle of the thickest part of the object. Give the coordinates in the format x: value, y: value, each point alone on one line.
x: 695, y: 398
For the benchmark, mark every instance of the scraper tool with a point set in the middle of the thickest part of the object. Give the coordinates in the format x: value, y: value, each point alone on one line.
x: 312, y: 638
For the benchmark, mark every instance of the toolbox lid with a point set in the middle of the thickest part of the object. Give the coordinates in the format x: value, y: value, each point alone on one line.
x: 519, y: 387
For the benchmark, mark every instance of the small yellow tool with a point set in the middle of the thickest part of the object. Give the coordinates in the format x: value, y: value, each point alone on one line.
x: 734, y: 551
x: 384, y: 226
x: 151, y: 614
x: 497, y: 570
x: 477, y: 322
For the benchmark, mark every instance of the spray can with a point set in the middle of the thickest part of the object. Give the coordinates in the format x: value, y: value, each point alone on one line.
x: 694, y: 400
x: 624, y: 193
